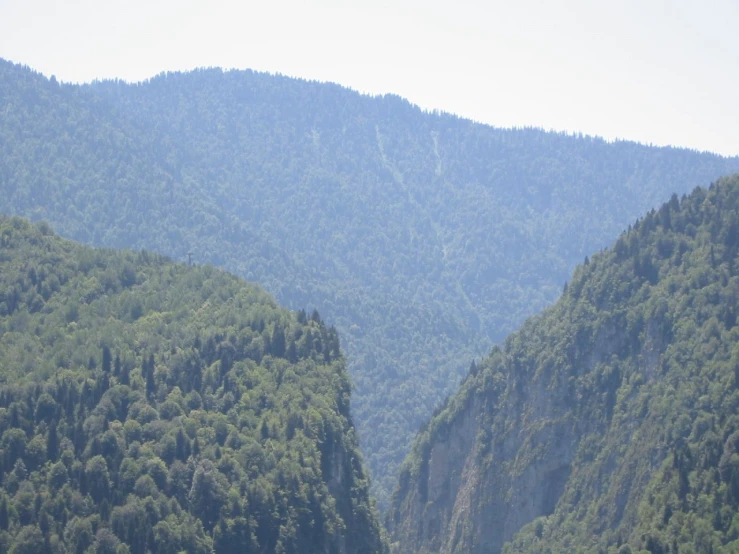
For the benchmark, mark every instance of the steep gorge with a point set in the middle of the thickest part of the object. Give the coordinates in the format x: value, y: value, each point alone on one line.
x: 423, y: 237
x: 606, y: 422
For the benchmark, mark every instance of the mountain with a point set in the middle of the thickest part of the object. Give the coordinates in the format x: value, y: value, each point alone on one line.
x: 147, y: 406
x: 610, y: 422
x: 424, y: 238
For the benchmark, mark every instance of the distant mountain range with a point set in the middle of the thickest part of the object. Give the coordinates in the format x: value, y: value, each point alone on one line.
x: 424, y: 238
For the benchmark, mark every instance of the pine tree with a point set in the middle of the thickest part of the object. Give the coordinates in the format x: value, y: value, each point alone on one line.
x: 4, y: 515
x: 52, y: 444
x: 278, y: 341
x: 180, y: 442
x: 107, y: 359
x: 148, y: 368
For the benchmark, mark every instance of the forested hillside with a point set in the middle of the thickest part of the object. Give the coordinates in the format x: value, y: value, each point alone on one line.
x: 147, y: 406
x: 610, y: 423
x: 423, y: 237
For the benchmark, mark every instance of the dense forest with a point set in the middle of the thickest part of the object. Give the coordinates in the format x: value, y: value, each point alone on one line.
x: 424, y: 238
x: 610, y: 422
x: 152, y: 407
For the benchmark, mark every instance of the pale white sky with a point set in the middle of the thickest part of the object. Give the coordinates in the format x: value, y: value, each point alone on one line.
x: 655, y: 71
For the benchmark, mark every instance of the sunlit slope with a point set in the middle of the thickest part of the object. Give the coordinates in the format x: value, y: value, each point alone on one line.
x: 147, y: 406
x: 424, y: 238
x: 608, y: 423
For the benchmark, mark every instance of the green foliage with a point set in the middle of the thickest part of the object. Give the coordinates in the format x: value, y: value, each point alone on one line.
x: 629, y: 385
x: 423, y: 238
x: 141, y: 431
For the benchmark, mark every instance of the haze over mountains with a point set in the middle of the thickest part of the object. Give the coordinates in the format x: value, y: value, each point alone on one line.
x: 423, y: 237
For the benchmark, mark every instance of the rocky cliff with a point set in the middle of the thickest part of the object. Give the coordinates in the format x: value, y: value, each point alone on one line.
x: 602, y: 423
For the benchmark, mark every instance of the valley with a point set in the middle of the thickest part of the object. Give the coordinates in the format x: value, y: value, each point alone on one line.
x: 245, y: 312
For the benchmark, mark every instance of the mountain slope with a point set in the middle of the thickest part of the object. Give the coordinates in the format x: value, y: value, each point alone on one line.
x: 147, y: 406
x: 608, y: 423
x: 424, y: 238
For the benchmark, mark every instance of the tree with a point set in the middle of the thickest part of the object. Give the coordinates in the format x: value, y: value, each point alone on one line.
x: 78, y: 534
x: 14, y: 444
x: 208, y: 493
x: 97, y: 478
x: 105, y: 542
x: 52, y: 444
x: 278, y: 341
x: 29, y: 540
x: 182, y: 446
x: 107, y: 359
x: 57, y: 476
x: 45, y: 408
x: 148, y: 369
x: 4, y: 514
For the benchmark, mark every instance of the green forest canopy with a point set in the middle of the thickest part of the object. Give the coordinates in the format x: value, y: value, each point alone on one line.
x: 640, y: 361
x: 424, y: 238
x: 147, y: 406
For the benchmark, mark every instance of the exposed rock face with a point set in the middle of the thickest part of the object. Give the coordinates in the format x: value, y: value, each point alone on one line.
x: 602, y: 422
x: 514, y: 437
x: 473, y: 495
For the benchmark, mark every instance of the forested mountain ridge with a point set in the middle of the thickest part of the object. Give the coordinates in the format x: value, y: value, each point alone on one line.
x: 147, y: 406
x: 610, y: 422
x: 423, y: 237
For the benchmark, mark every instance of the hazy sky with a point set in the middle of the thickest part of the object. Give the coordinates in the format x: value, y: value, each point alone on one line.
x: 661, y: 72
